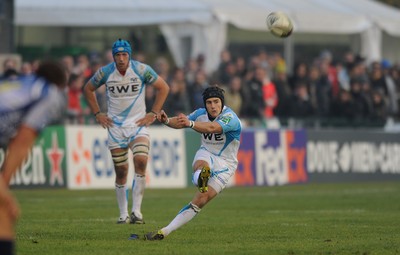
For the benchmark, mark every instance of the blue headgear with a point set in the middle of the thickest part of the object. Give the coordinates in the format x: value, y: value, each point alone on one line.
x: 121, y: 46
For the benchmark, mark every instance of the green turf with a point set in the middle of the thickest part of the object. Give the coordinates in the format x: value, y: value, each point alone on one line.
x: 361, y: 218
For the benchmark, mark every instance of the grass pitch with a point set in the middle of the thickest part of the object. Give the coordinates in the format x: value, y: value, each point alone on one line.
x: 358, y: 218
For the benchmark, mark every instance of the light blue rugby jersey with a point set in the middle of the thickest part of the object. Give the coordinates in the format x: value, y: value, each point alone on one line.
x: 225, y: 145
x: 125, y: 93
x: 30, y: 101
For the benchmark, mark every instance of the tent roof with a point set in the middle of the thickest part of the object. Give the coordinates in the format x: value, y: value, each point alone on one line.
x: 109, y: 13
x: 310, y: 16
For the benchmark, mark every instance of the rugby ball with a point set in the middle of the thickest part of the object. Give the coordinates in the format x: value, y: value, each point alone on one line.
x: 279, y: 24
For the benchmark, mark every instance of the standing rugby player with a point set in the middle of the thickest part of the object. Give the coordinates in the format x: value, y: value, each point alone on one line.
x: 127, y: 120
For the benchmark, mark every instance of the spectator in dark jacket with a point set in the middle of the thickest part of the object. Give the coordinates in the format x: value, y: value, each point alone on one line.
x: 284, y: 93
x: 343, y: 106
x: 361, y: 105
x: 253, y: 107
x: 300, y: 104
x: 320, y: 90
x: 379, y: 110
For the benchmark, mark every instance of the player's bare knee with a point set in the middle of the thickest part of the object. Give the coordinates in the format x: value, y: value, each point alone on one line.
x: 140, y: 163
x: 121, y: 176
x: 121, y: 171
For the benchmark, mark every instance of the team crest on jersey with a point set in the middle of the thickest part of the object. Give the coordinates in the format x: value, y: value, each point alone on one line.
x: 149, y: 77
x: 226, y: 119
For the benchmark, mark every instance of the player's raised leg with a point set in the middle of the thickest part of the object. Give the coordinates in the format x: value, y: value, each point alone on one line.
x: 201, y: 177
x: 186, y: 214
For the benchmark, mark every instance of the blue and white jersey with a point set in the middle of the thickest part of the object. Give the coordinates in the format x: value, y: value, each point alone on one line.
x: 30, y: 101
x: 125, y: 93
x: 225, y: 145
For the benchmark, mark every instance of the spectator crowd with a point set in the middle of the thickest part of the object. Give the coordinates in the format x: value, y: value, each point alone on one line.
x: 340, y: 90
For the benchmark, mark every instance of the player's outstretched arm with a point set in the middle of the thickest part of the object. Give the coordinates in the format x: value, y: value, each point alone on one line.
x: 206, y: 127
x: 182, y: 121
x: 8, y: 206
x: 172, y: 122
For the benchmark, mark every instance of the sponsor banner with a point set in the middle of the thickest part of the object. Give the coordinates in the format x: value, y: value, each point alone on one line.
x: 90, y: 164
x: 89, y: 160
x: 246, y: 174
x: 46, y: 162
x: 353, y: 156
x: 167, y: 163
x: 272, y: 157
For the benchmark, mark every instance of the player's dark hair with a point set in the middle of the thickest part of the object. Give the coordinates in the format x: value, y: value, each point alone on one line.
x: 213, y: 91
x: 54, y: 72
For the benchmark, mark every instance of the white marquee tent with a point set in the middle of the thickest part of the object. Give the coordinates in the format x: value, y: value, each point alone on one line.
x: 205, y: 21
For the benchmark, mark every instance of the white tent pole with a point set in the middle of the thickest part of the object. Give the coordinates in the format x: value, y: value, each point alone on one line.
x: 371, y: 44
x: 288, y: 53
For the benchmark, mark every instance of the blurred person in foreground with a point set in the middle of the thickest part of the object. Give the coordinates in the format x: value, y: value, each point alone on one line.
x: 27, y: 105
x: 127, y: 120
x: 216, y: 160
x: 10, y: 69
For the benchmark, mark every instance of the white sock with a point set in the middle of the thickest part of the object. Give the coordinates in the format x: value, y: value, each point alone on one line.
x: 184, y: 216
x: 138, y: 186
x: 122, y: 200
x: 195, y: 177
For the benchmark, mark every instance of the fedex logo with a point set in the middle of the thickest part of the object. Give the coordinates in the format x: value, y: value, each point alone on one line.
x: 272, y: 158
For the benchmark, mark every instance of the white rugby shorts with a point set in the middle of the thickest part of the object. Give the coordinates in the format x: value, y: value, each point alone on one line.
x: 121, y: 137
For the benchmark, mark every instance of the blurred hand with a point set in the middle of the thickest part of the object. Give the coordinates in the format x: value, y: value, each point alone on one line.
x: 8, y: 202
x: 162, y: 116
